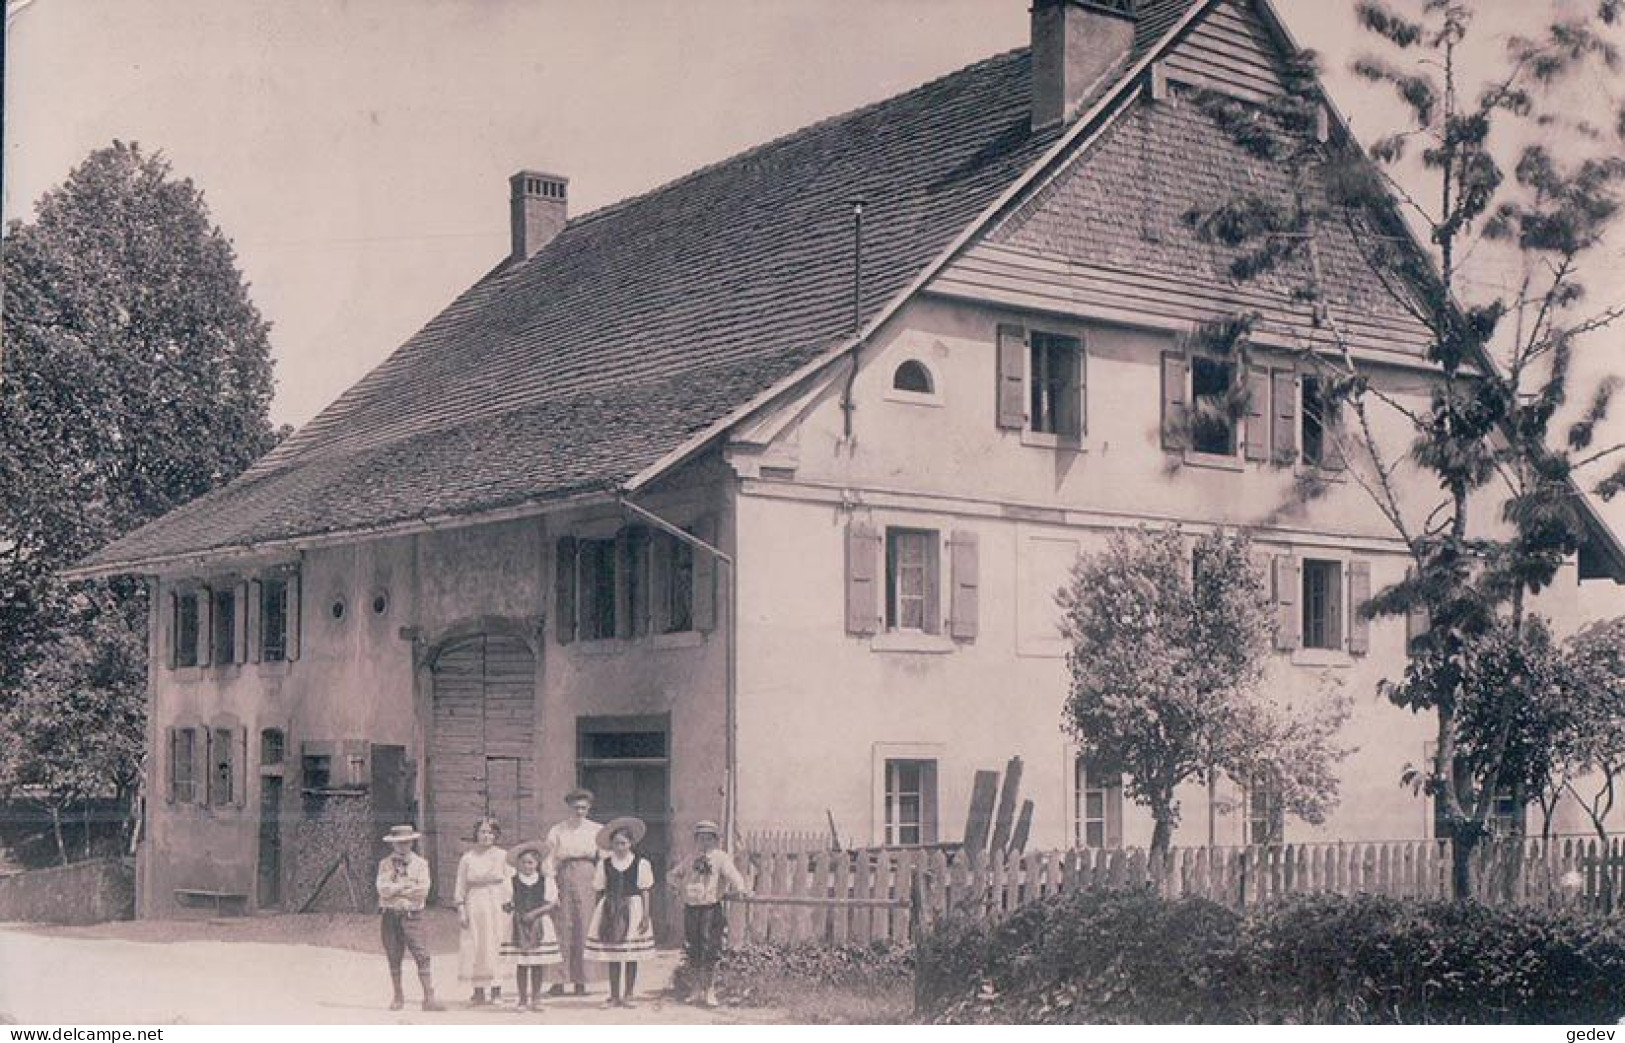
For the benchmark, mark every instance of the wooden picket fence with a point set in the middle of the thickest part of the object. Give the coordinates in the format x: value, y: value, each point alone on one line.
x: 876, y: 894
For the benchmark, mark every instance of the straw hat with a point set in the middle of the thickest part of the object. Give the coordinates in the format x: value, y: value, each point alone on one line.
x: 540, y: 848
x: 633, y: 826
x: 404, y: 832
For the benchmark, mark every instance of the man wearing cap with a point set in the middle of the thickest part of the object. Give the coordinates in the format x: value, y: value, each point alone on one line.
x: 575, y: 854
x: 403, y: 888
x: 704, y: 881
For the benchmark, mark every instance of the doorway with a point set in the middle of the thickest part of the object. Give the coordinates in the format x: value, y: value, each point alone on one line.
x: 626, y: 762
x: 268, y: 870
x: 480, y: 760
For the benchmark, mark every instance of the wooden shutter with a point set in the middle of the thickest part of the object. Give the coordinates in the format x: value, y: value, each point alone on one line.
x: 1078, y: 393
x: 564, y: 590
x: 1175, y: 418
x: 963, y: 602
x: 239, y: 769
x: 623, y: 583
x: 661, y: 547
x: 169, y: 762
x: 705, y: 575
x: 205, y: 626
x: 292, y: 614
x: 253, y: 621
x: 1012, y: 377
x: 1258, y: 414
x: 1359, y: 594
x: 928, y: 802
x: 171, y: 646
x: 862, y: 566
x: 1284, y: 393
x: 239, y: 624
x: 1287, y: 584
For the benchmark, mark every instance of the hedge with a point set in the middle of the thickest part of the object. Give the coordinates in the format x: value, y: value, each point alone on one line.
x: 1130, y: 957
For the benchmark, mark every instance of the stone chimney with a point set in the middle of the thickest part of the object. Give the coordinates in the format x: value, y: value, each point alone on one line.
x: 539, y: 206
x: 1075, y: 43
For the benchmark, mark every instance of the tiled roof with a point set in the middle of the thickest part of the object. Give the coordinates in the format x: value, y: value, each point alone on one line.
x: 642, y: 323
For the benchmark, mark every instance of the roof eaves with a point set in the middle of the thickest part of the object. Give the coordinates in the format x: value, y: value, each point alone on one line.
x: 1085, y: 127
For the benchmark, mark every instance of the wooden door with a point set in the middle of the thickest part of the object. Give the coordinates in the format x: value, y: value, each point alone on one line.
x: 626, y: 764
x: 268, y: 893
x: 480, y: 759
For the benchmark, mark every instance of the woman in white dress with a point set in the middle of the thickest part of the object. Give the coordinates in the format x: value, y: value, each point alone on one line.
x: 621, y: 933
x: 483, y: 888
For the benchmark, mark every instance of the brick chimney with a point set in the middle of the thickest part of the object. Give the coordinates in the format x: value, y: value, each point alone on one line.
x: 539, y: 206
x: 1075, y: 43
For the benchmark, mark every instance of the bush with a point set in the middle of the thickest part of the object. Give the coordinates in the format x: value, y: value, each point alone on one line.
x: 1131, y: 957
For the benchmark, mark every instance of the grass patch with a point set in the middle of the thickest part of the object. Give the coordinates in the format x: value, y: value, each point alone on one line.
x: 818, y: 985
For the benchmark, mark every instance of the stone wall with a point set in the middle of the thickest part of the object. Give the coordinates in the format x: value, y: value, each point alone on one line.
x: 82, y: 893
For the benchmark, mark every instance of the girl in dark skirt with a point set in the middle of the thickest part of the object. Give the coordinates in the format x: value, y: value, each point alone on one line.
x: 533, y: 943
x: 621, y: 933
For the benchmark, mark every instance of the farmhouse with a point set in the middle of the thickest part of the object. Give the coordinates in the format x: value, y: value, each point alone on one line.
x: 749, y: 497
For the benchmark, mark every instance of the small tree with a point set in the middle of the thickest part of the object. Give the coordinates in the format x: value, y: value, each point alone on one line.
x: 1591, y: 752
x: 1170, y: 642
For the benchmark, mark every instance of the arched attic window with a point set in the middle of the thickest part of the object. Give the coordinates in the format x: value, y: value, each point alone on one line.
x: 912, y: 376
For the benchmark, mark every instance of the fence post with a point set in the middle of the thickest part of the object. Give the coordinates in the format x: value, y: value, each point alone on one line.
x: 916, y: 923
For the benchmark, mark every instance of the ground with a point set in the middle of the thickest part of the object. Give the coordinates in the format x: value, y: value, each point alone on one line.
x: 309, y: 969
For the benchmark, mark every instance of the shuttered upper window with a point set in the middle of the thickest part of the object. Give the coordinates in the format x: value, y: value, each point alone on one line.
x: 273, y: 619
x: 595, y: 569
x: 1213, y: 426
x: 224, y: 626
x: 1040, y: 383
x: 185, y: 629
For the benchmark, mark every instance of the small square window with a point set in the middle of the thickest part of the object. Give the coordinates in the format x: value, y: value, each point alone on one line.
x: 1213, y: 423
x: 1054, y: 405
x: 912, y: 580
x: 1322, y: 604
x: 186, y: 624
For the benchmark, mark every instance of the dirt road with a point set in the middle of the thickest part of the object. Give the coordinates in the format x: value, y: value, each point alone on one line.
x: 225, y: 973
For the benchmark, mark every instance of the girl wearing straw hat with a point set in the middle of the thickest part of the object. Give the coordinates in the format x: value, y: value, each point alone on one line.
x: 621, y: 933
x: 533, y: 944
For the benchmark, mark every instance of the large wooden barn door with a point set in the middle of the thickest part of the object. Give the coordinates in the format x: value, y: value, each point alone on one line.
x: 484, y: 732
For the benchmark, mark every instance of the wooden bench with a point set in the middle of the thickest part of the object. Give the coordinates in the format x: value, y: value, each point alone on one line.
x: 194, y: 897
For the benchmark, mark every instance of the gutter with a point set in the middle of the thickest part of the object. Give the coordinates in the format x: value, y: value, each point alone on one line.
x: 730, y: 774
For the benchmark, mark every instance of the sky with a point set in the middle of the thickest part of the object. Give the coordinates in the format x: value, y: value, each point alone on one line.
x: 357, y: 151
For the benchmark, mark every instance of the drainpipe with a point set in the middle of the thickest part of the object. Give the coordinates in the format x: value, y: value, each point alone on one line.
x: 730, y: 774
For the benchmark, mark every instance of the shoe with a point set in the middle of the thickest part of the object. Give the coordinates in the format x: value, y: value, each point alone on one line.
x: 580, y: 989
x: 431, y: 1005
x: 478, y: 999
x: 629, y: 1003
x: 556, y: 989
x: 710, y: 999
x: 397, y: 1003
x: 537, y: 1007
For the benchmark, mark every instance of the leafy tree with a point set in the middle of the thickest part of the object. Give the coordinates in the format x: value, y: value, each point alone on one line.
x: 136, y: 376
x: 1170, y: 641
x: 1474, y: 137
x: 1592, y: 750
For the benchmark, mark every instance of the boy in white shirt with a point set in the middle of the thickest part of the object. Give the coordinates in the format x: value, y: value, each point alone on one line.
x: 704, y: 881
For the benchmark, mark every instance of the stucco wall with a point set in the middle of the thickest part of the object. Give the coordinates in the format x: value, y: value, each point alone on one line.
x: 825, y: 709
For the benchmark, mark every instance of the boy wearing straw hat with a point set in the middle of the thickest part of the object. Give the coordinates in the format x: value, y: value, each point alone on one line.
x: 403, y: 888
x: 704, y: 881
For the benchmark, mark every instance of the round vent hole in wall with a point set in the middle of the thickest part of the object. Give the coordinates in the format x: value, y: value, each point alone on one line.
x: 380, y: 603
x: 337, y: 609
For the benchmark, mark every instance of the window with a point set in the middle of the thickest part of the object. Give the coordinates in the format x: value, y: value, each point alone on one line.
x: 221, y: 764
x: 1099, y: 804
x: 912, y: 377
x: 183, y: 765
x: 674, y: 584
x: 596, y: 582
x: 186, y: 623
x: 1053, y: 386
x: 911, y: 580
x: 317, y: 770
x: 273, y: 747
x: 1322, y: 604
x: 911, y: 802
x: 1213, y: 426
x: 273, y: 620
x: 1312, y: 432
x: 223, y: 623
x: 1508, y: 816
x: 1265, y: 821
